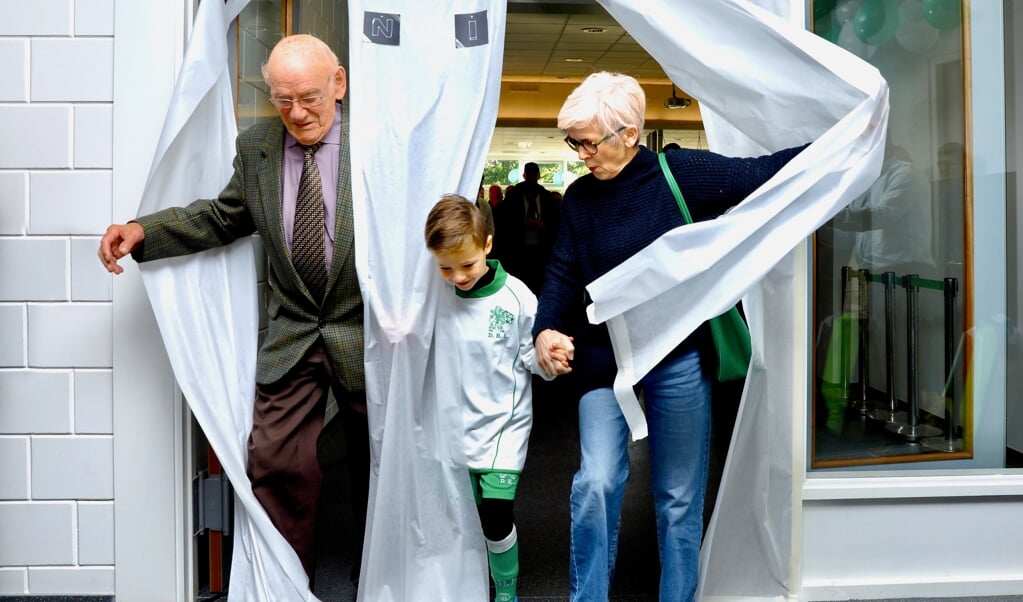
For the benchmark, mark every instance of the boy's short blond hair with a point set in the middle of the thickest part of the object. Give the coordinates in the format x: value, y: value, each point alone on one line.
x: 454, y: 223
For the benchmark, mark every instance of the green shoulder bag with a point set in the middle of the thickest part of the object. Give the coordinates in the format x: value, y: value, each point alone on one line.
x: 729, y: 330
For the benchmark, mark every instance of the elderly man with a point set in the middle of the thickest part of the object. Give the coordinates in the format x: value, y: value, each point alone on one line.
x: 284, y: 172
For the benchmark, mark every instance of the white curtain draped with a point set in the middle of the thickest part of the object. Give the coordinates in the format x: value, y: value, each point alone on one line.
x: 418, y: 132
x: 205, y: 305
x: 423, y: 113
x: 764, y: 84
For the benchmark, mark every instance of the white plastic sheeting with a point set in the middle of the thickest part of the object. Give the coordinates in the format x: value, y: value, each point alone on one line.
x: 423, y: 538
x: 763, y: 84
x: 423, y: 115
x: 205, y: 305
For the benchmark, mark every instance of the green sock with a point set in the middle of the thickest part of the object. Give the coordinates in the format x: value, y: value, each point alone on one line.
x: 504, y: 566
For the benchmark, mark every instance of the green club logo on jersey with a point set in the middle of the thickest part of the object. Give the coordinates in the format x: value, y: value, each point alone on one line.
x: 500, y: 320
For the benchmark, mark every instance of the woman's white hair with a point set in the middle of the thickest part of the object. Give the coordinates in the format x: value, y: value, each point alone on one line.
x: 606, y: 100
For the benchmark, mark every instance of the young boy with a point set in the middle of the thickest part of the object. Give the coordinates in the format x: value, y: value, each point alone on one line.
x: 486, y: 321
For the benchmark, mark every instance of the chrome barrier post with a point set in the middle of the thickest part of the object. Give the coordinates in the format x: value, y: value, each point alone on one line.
x: 891, y: 413
x: 949, y: 443
x: 911, y: 429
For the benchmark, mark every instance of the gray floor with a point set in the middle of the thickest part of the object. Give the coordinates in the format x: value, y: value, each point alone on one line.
x: 542, y: 513
x: 541, y: 517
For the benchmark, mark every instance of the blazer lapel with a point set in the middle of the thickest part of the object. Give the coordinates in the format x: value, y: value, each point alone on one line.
x: 270, y: 181
x: 344, y: 229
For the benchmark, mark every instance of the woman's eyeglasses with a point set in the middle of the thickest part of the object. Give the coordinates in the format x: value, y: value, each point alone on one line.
x: 586, y: 145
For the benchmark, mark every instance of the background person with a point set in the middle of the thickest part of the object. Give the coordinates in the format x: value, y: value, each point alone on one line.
x: 485, y: 209
x: 285, y: 171
x: 621, y: 206
x: 496, y: 195
x: 484, y: 323
x: 525, y: 225
x: 889, y: 227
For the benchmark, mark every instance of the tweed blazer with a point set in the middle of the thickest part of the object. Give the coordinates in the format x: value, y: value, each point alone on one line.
x: 251, y: 202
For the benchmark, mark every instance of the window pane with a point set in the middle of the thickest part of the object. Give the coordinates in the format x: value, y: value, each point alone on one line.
x: 259, y: 28
x: 889, y: 268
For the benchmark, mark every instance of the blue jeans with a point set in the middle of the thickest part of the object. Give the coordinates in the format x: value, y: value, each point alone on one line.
x: 677, y: 400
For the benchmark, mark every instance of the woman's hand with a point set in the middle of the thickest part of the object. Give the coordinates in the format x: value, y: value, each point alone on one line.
x: 554, y: 351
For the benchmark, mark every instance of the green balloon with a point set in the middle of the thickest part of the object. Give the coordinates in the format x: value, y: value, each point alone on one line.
x: 943, y: 14
x: 869, y: 19
x: 876, y: 21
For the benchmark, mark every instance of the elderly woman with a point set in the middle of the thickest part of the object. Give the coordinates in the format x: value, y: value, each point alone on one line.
x: 620, y: 207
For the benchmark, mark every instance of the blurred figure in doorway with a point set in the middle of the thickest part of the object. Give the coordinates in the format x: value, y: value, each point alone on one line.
x: 496, y: 195
x: 525, y: 226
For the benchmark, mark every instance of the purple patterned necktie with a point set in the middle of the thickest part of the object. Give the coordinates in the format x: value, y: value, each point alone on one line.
x: 307, y: 240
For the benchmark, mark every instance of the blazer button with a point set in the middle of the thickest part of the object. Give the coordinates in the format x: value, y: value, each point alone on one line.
x: 322, y: 322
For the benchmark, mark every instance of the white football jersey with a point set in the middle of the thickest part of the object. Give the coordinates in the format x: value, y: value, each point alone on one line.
x: 484, y: 345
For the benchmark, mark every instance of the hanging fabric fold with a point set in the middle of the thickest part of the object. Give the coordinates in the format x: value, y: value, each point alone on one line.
x: 763, y: 84
x: 206, y: 304
x: 423, y: 540
x: 422, y: 515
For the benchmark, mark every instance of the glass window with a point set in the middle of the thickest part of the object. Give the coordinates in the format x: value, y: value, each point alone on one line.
x: 1013, y: 219
x: 260, y: 25
x: 552, y: 173
x: 891, y: 284
x: 500, y: 171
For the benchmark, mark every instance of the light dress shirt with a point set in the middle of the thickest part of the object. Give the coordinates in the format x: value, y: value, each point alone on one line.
x: 326, y: 162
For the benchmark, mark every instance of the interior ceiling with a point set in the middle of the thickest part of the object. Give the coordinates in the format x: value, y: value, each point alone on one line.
x: 559, y: 41
x: 563, y: 42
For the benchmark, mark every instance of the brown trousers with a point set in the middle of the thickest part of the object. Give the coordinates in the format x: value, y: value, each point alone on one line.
x: 282, y: 464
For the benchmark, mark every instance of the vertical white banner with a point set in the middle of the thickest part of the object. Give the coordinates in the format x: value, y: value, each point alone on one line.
x: 425, y: 85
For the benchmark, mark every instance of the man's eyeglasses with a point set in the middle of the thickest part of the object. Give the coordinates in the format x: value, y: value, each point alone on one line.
x: 306, y: 102
x: 586, y: 145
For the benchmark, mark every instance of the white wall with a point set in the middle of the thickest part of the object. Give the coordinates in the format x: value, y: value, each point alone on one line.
x: 152, y: 537
x: 56, y: 443
x: 922, y: 537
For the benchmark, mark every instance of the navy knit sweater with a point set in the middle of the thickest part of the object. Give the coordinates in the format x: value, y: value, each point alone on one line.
x: 604, y: 222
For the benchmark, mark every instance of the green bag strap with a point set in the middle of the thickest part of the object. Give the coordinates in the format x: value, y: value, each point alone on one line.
x: 674, y: 188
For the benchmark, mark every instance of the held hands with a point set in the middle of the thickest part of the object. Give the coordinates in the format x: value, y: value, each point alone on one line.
x: 119, y: 240
x: 554, y: 351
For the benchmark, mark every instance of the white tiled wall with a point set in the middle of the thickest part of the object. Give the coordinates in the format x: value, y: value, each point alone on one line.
x: 56, y: 443
x: 13, y: 201
x: 13, y: 70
